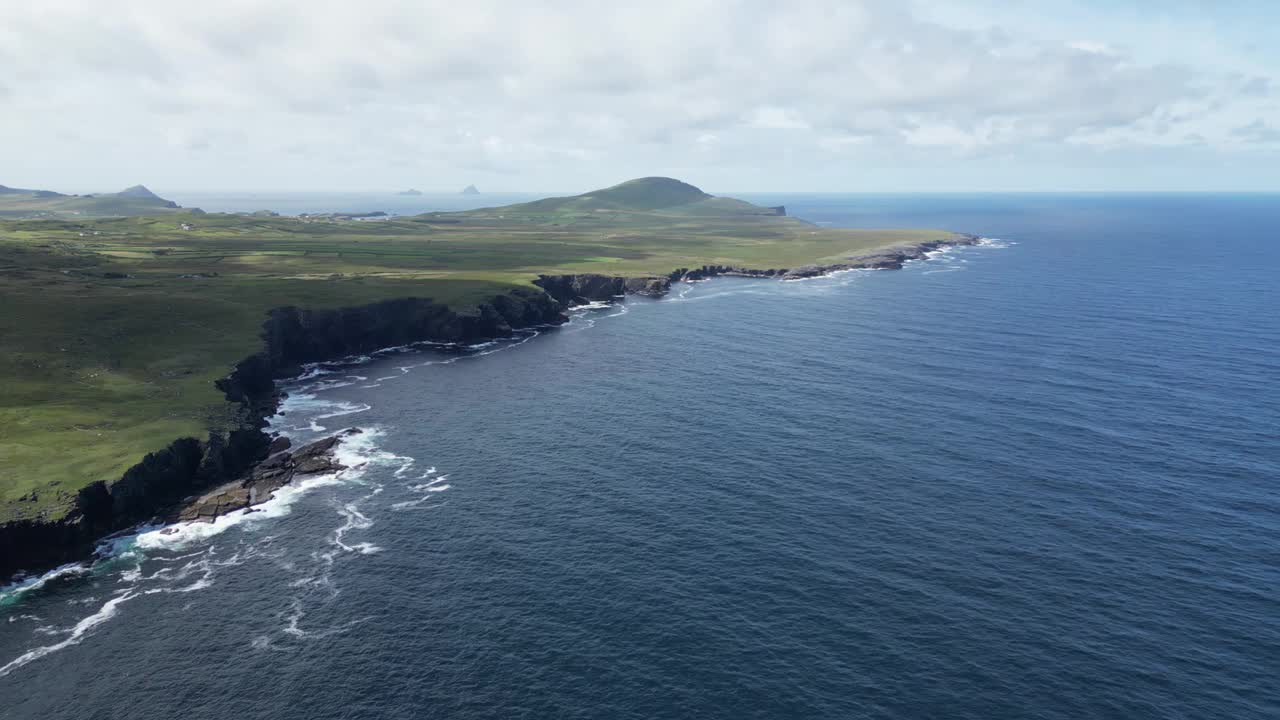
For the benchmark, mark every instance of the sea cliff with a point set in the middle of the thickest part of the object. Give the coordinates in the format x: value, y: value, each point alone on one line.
x: 291, y: 337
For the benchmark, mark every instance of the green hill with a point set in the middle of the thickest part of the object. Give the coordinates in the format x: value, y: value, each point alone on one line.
x: 139, y: 192
x: 644, y: 200
x: 642, y: 194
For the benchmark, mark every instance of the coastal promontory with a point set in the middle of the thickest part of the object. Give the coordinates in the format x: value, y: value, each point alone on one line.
x: 142, y: 349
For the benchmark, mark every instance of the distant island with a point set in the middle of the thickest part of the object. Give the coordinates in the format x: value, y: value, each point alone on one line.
x: 142, y: 340
x: 410, y: 191
x: 132, y: 201
x: 471, y: 190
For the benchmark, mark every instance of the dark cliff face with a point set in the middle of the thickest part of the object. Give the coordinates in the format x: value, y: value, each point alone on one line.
x: 163, y: 477
x: 291, y: 337
x: 581, y: 289
x: 295, y: 336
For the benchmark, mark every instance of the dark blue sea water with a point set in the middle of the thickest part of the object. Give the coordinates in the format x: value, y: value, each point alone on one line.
x: 1036, y: 479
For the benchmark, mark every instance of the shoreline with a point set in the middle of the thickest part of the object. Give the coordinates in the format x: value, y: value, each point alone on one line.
x: 190, y: 470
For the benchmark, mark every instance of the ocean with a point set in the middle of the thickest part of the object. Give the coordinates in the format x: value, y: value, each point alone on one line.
x: 1036, y: 478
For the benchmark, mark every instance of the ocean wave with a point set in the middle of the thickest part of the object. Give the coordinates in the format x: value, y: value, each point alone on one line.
x: 426, y: 490
x: 182, y: 535
x: 997, y: 243
x: 845, y: 273
x: 76, y: 634
x: 12, y: 593
x: 355, y: 520
x: 593, y: 305
x: 293, y: 626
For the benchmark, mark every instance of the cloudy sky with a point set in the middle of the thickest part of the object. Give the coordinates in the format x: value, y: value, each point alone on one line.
x: 834, y: 95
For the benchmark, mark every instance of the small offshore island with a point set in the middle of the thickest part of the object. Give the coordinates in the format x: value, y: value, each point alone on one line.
x: 143, y: 340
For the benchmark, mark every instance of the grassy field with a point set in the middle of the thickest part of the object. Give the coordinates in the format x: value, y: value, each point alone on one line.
x: 115, y: 329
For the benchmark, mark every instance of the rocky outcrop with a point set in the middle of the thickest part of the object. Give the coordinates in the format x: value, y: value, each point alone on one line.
x: 582, y: 289
x: 647, y: 286
x: 278, y: 470
x: 163, y: 477
x: 709, y: 271
x: 291, y: 337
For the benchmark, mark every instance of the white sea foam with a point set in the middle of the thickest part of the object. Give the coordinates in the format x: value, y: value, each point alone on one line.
x: 78, y: 633
x: 345, y: 408
x: 182, y: 535
x: 355, y: 520
x: 423, y: 503
x: 313, y: 408
x: 427, y: 490
x: 333, y: 384
x: 433, y: 486
x: 294, y: 619
x: 828, y: 276
x: 263, y: 642
x: 311, y: 372
x: 404, y: 468
x: 13, y: 592
x: 995, y: 243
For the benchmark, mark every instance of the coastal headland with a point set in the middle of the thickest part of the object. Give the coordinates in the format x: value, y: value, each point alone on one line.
x: 142, y: 350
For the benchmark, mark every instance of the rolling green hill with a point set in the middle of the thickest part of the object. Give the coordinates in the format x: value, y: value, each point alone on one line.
x: 649, y: 199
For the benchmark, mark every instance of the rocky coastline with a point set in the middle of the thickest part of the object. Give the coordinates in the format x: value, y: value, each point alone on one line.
x: 194, y: 479
x: 187, y: 467
x: 281, y: 467
x: 585, y: 288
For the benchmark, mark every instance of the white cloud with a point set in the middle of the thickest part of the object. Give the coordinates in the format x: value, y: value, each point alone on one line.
x: 560, y: 95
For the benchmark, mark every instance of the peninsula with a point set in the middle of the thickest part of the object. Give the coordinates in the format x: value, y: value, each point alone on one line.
x: 140, y: 350
x: 19, y: 203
